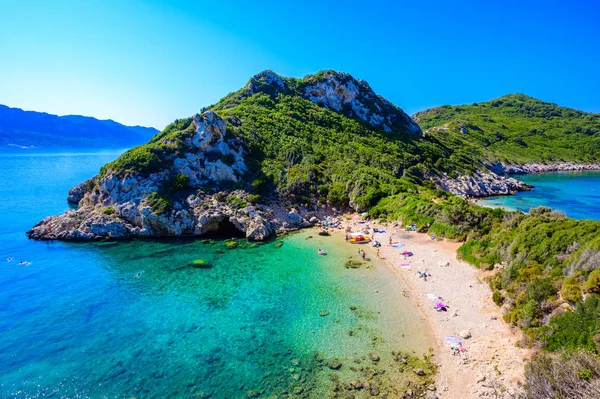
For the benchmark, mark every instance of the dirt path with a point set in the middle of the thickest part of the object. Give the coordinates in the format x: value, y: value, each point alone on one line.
x: 492, y: 359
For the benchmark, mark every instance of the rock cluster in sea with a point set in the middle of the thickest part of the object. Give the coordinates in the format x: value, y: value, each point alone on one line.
x: 531, y: 168
x: 480, y: 184
x: 118, y: 205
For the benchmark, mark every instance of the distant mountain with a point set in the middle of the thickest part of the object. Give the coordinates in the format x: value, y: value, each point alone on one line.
x: 21, y: 130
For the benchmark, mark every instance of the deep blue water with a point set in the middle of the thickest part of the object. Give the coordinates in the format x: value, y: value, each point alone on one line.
x: 577, y: 194
x: 75, y: 323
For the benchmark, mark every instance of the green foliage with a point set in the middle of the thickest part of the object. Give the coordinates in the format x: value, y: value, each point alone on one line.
x: 571, y: 290
x: 567, y: 375
x: 253, y: 198
x: 593, y: 282
x: 158, y: 204
x: 575, y: 329
x: 108, y: 210
x: 179, y: 182
x: 516, y: 129
x: 236, y: 202
x: 498, y: 298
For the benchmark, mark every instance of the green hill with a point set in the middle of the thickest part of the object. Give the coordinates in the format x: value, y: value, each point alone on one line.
x: 515, y: 129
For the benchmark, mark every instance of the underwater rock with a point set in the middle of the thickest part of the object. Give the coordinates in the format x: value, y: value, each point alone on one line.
x: 200, y: 264
x: 334, y: 365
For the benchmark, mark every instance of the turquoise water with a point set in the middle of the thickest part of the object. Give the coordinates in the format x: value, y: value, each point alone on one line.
x: 75, y: 323
x: 575, y: 193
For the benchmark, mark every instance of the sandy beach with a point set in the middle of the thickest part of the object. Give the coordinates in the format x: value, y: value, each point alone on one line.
x: 491, y: 366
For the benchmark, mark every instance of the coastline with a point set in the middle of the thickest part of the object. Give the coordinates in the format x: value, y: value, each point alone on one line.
x: 492, y: 365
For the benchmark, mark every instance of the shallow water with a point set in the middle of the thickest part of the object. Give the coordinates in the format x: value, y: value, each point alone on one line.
x: 575, y: 193
x: 76, y: 322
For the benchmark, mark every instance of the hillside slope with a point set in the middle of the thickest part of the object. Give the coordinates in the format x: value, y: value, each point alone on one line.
x: 516, y: 129
x: 37, y: 130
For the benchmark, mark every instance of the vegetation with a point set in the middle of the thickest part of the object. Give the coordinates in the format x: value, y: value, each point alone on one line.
x: 570, y: 376
x: 516, y: 129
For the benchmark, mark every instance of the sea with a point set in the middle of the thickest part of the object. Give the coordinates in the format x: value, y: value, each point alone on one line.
x: 136, y: 319
x: 577, y: 194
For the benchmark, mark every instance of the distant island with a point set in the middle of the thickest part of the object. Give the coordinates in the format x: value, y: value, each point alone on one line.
x: 34, y: 131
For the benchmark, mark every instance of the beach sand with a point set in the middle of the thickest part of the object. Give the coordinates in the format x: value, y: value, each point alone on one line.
x: 492, y: 365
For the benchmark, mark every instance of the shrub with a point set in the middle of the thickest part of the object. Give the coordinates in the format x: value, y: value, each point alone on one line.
x: 570, y: 290
x: 498, y: 298
x: 575, y: 329
x: 593, y: 282
x: 574, y: 375
x: 108, y: 210
x: 253, y: 198
x: 158, y: 204
x: 180, y: 182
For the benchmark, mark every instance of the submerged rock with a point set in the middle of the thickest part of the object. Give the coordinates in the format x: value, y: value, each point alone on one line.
x: 334, y: 365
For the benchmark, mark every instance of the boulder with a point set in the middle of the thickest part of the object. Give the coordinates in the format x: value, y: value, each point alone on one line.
x: 464, y: 334
x: 334, y: 365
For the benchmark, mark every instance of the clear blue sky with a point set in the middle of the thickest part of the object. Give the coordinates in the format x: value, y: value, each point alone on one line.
x: 150, y: 62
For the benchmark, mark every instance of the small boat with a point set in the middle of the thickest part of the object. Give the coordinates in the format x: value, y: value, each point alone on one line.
x: 359, y: 239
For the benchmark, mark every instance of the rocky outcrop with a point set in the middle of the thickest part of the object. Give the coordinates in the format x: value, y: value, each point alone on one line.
x: 480, y: 184
x: 495, y: 180
x: 342, y: 93
x: 514, y: 169
x: 125, y: 205
x: 76, y: 193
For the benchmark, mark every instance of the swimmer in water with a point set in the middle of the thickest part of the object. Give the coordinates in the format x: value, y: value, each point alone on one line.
x: 9, y: 259
x: 137, y: 275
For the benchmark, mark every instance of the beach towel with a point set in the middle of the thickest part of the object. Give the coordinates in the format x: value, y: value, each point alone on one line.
x: 405, y: 265
x: 433, y: 297
x: 452, y: 341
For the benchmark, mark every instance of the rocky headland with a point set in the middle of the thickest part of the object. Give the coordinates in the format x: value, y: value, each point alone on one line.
x: 114, y: 205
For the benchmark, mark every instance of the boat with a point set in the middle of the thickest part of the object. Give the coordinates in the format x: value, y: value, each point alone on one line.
x: 358, y: 238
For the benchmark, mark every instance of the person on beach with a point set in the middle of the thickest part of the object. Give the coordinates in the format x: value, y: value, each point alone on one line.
x: 390, y: 241
x: 364, y: 255
x: 378, y: 254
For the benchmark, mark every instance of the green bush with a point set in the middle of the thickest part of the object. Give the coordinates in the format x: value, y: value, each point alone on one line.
x: 253, y: 198
x: 179, y: 182
x: 158, y: 204
x: 575, y: 329
x: 498, y: 298
x: 570, y: 290
x: 593, y: 282
x: 108, y: 210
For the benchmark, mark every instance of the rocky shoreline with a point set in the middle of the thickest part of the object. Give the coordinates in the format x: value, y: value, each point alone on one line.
x: 534, y: 168
x: 117, y: 205
x: 496, y: 179
x: 480, y: 184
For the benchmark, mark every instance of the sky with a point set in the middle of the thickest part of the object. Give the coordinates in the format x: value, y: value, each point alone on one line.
x: 151, y: 62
